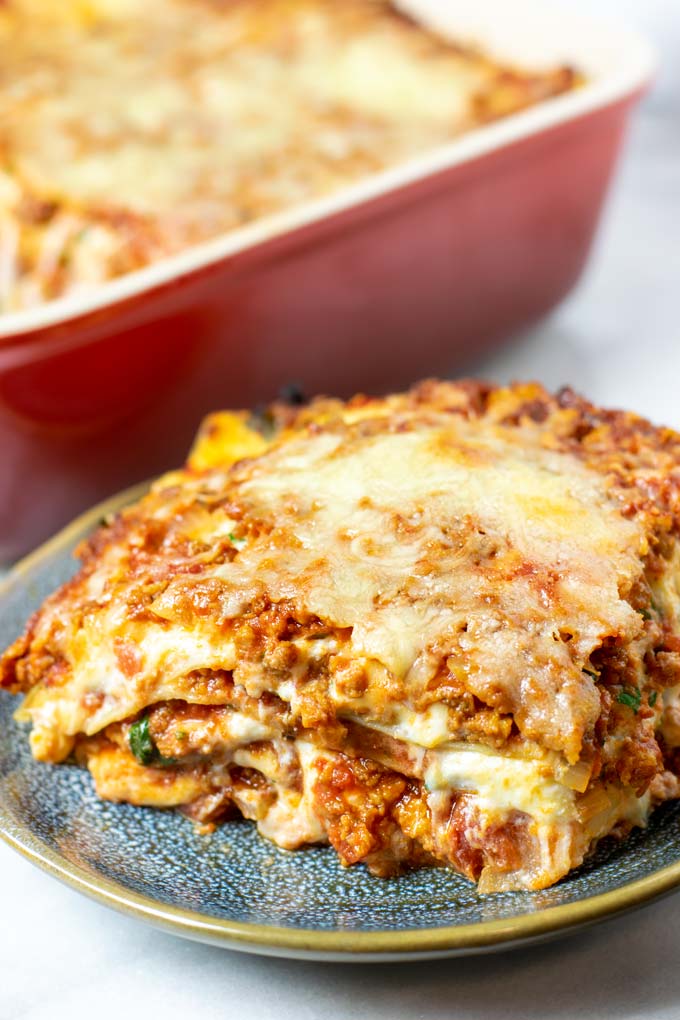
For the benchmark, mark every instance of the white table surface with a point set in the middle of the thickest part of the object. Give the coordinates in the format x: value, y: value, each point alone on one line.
x: 618, y: 339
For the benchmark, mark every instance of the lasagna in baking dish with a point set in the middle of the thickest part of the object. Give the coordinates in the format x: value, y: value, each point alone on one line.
x: 440, y: 627
x: 130, y: 131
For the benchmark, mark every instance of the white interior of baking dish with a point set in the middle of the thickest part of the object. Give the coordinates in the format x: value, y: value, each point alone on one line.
x: 616, y: 61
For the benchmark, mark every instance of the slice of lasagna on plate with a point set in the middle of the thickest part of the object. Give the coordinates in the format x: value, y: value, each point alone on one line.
x: 438, y: 627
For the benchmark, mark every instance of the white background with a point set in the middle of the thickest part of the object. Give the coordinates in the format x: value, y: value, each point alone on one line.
x: 617, y: 339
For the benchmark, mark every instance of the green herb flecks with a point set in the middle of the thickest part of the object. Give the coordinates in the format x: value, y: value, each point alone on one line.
x: 142, y: 745
x: 238, y: 543
x: 591, y: 672
x: 631, y: 697
x: 651, y: 698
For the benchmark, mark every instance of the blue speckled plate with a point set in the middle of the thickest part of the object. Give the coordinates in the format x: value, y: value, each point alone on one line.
x: 234, y: 889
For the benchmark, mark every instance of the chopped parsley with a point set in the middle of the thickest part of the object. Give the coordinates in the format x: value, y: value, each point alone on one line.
x: 645, y: 614
x: 142, y: 745
x: 653, y: 695
x: 631, y: 697
x: 237, y: 543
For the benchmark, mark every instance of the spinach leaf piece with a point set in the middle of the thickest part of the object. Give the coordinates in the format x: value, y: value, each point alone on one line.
x: 142, y: 745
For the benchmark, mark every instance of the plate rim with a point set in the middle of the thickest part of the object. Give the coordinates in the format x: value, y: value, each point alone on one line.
x: 308, y: 943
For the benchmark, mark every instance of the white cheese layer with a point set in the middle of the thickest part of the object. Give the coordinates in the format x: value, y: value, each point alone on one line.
x: 501, y: 783
x: 426, y: 729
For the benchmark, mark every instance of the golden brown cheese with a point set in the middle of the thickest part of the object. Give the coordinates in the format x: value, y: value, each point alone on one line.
x: 129, y: 131
x: 473, y: 591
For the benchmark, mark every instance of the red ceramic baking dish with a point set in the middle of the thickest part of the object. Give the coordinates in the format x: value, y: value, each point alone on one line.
x: 408, y: 273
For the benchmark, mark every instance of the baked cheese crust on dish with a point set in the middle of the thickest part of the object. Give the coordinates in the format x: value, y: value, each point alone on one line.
x: 439, y: 627
x: 130, y: 131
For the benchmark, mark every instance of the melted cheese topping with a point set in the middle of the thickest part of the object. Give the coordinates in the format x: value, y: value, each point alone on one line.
x: 426, y: 728
x: 348, y: 500
x: 155, y: 125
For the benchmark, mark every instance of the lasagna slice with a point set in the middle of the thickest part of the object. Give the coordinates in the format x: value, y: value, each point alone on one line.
x: 130, y: 131
x: 439, y: 627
